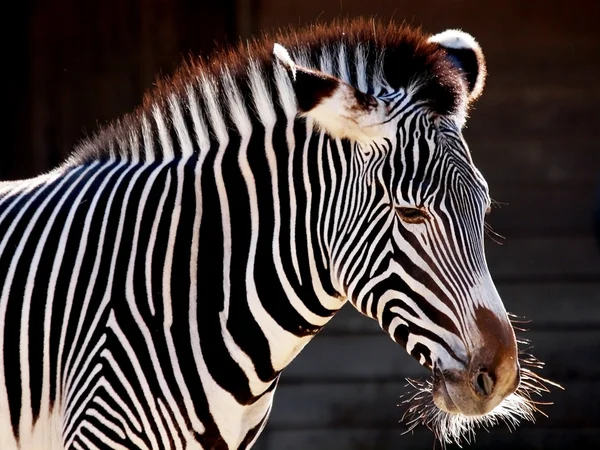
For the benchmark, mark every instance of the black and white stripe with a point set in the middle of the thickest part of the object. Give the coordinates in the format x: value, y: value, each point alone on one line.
x: 155, y: 285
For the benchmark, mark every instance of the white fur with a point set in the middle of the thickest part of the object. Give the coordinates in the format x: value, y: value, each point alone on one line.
x: 341, y: 118
x: 459, y: 40
x: 283, y: 56
x: 456, y: 39
x: 339, y: 114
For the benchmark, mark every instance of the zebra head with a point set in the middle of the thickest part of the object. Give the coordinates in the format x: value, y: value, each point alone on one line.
x: 408, y: 246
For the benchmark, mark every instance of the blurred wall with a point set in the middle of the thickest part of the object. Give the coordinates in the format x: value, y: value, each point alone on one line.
x: 535, y: 134
x: 83, y: 63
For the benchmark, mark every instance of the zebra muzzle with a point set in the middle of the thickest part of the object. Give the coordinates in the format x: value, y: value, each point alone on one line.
x: 491, y: 375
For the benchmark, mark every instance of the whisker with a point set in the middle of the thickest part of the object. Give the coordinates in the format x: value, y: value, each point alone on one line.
x: 489, y: 231
x: 498, y: 204
x: 451, y: 428
x: 517, y: 319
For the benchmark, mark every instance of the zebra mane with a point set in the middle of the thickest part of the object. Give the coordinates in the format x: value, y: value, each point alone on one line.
x: 366, y: 54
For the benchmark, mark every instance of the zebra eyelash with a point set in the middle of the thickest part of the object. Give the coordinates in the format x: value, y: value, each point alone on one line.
x: 412, y: 215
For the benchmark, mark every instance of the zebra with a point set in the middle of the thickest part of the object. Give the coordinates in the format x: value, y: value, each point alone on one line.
x: 155, y: 284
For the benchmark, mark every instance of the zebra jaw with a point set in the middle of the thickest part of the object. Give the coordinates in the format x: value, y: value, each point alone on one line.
x: 337, y: 108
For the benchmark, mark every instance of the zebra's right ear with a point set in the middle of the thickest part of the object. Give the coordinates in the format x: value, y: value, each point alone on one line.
x: 338, y: 108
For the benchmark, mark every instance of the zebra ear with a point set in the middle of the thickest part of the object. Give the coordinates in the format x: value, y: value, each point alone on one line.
x: 338, y: 108
x: 465, y: 53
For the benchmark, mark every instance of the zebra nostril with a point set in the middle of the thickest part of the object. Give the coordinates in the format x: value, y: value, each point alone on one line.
x: 483, y: 383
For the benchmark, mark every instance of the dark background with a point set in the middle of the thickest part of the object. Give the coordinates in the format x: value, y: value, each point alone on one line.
x: 535, y: 134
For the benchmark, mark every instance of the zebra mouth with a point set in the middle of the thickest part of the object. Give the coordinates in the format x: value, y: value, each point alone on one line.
x: 441, y: 397
x: 429, y: 403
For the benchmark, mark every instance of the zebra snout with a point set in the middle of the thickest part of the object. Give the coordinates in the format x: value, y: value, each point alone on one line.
x: 490, y: 375
x: 477, y: 389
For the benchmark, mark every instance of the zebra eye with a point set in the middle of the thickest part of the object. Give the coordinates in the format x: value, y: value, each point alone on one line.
x: 412, y: 215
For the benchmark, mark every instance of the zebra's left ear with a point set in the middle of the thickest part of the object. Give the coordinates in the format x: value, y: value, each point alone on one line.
x: 338, y: 108
x: 465, y: 53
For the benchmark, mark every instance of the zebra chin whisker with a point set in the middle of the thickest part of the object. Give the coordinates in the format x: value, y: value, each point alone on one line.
x: 451, y: 428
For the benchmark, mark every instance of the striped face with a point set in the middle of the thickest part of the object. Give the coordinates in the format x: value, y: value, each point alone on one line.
x: 410, y: 254
x: 426, y: 280
x: 409, y: 251
x: 438, y: 201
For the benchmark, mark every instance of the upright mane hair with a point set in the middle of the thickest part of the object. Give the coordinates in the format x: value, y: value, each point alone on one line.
x: 388, y: 53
